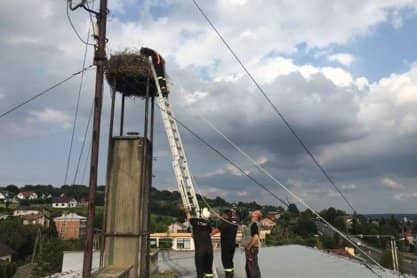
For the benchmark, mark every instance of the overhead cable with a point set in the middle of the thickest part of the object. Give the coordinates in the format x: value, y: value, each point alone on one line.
x: 77, y: 108
x: 296, y: 197
x: 14, y: 108
x: 275, y: 108
x: 73, y: 26
x: 77, y: 168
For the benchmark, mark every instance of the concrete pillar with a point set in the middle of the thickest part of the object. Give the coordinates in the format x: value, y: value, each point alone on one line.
x: 123, y: 226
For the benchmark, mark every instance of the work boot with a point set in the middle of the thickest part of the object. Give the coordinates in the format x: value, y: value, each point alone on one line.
x: 228, y: 274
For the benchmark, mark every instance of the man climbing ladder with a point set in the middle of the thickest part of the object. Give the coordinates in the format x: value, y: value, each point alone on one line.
x: 159, y: 65
x: 179, y: 159
x: 198, y: 219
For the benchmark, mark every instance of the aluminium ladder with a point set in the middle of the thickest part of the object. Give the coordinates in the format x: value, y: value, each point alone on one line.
x: 179, y: 159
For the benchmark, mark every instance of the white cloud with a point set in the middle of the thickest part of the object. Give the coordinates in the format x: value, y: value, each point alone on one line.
x: 50, y: 116
x: 348, y: 119
x: 405, y: 196
x: 350, y: 186
x: 391, y: 184
x: 345, y: 59
x: 242, y: 193
x: 196, y: 96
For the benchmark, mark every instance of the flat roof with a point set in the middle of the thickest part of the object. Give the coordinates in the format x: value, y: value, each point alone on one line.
x: 284, y: 261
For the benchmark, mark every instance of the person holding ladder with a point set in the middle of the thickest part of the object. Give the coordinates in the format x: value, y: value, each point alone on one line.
x: 228, y: 230
x: 201, y: 230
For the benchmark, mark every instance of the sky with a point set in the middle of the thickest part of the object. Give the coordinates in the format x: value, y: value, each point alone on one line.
x: 343, y: 73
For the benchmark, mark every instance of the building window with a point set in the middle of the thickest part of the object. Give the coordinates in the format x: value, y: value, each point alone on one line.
x: 183, y: 243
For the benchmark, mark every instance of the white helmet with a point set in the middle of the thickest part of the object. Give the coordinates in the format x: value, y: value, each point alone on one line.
x: 205, y: 213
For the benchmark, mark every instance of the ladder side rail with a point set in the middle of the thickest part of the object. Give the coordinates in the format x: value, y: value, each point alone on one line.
x: 183, y: 161
x: 180, y: 164
x: 174, y: 151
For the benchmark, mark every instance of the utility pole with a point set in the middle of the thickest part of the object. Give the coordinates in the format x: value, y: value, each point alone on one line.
x: 99, y: 61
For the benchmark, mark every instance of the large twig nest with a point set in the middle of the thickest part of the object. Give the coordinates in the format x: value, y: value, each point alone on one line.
x: 127, y: 72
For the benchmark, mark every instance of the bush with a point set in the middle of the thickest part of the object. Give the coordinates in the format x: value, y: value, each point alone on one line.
x: 7, y: 270
x: 386, y: 259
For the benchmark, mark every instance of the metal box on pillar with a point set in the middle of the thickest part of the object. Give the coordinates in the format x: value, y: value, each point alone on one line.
x: 129, y: 172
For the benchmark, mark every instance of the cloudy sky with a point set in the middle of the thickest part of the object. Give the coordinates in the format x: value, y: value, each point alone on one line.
x: 344, y: 73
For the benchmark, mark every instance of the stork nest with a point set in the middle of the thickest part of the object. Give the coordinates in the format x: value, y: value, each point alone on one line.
x: 127, y: 73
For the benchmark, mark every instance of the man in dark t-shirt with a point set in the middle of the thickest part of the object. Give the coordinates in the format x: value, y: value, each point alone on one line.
x: 228, y: 230
x: 201, y: 230
x: 250, y: 242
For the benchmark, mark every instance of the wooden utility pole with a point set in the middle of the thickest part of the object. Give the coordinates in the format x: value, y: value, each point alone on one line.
x: 99, y: 61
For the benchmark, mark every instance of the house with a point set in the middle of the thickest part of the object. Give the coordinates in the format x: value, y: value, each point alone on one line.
x: 6, y: 253
x: 83, y: 202
x: 6, y: 196
x: 267, y: 224
x: 27, y: 195
x: 31, y: 216
x: 273, y: 215
x: 46, y: 196
x: 182, y: 241
x: 26, y: 210
x: 64, y: 202
x: 40, y: 219
x: 70, y: 226
x: 177, y: 227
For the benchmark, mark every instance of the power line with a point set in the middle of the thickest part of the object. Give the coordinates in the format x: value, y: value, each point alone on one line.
x: 14, y: 108
x: 83, y: 144
x: 299, y: 199
x: 73, y: 26
x: 84, y: 173
x: 275, y: 108
x: 77, y: 107
x: 230, y: 161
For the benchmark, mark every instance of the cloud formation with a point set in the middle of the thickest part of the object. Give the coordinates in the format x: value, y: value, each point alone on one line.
x: 364, y: 133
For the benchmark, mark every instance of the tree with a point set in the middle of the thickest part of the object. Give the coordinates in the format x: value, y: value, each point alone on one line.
x: 49, y: 260
x: 19, y: 237
x: 12, y: 188
x: 7, y: 270
x: 340, y: 223
x: 329, y: 214
x: 305, y: 226
x: 292, y: 208
x: 386, y: 259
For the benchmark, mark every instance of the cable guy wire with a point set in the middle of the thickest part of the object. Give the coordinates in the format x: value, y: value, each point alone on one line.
x: 14, y: 108
x: 275, y: 108
x: 295, y: 196
x: 77, y: 108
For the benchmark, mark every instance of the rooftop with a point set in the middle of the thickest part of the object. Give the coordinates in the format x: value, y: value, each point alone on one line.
x: 284, y: 261
x: 70, y: 216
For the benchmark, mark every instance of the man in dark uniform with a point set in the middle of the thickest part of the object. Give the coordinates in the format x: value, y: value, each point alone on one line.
x: 201, y: 230
x: 159, y: 65
x: 228, y: 230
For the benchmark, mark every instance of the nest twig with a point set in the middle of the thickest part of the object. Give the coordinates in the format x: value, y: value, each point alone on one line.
x: 127, y: 72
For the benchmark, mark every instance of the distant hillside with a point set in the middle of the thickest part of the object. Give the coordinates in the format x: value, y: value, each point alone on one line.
x: 163, y: 202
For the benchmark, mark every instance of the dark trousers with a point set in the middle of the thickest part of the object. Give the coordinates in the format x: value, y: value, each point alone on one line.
x: 204, y: 262
x: 228, y: 251
x: 161, y: 76
x: 252, y: 267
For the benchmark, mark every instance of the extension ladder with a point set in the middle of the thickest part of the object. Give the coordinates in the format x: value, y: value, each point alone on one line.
x: 179, y: 159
